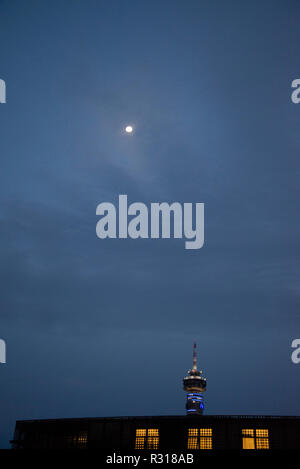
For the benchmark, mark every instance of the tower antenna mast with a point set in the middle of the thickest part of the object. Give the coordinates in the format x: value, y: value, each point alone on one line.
x: 194, y: 358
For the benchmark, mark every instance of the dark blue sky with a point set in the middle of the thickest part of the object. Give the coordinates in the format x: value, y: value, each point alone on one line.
x: 103, y: 328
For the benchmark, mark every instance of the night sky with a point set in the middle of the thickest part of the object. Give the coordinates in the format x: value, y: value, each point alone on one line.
x: 106, y: 327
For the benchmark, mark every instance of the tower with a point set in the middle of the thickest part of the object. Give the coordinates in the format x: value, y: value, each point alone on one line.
x: 195, y: 384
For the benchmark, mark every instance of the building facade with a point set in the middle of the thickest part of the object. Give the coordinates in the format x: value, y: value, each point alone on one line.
x: 161, y: 434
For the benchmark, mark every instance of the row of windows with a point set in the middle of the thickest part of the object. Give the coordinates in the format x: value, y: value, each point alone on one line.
x: 201, y: 438
x: 197, y: 438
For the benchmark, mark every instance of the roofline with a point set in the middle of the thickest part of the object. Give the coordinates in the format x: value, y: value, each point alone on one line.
x: 164, y: 417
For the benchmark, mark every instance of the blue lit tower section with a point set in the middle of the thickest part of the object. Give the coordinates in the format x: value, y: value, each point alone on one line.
x: 194, y: 384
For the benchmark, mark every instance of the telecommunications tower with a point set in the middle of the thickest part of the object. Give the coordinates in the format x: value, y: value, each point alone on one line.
x: 195, y: 384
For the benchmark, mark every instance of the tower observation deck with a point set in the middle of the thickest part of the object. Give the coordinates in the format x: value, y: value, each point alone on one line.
x: 194, y: 384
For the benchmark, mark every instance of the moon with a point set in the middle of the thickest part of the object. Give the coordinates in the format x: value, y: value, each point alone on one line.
x: 129, y: 129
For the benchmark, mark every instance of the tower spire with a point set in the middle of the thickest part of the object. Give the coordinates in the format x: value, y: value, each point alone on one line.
x: 194, y: 358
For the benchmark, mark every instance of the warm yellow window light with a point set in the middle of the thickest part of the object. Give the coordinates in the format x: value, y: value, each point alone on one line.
x: 153, y: 432
x: 146, y: 438
x: 262, y: 438
x: 141, y: 432
x: 205, y: 431
x: 82, y: 440
x: 193, y: 431
x: 255, y: 439
x: 262, y: 432
x: 152, y: 442
x: 193, y: 443
x: 205, y: 443
x: 199, y: 438
x: 248, y: 432
x: 139, y: 442
x: 248, y: 443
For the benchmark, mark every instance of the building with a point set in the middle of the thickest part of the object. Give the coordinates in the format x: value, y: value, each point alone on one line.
x: 163, y: 434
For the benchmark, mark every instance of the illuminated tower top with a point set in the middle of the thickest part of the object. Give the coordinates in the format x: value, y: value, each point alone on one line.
x: 194, y: 381
x: 195, y: 384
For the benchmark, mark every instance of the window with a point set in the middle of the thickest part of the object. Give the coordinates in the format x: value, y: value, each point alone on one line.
x: 199, y: 438
x: 146, y: 438
x: 77, y: 441
x: 82, y: 440
x: 255, y: 439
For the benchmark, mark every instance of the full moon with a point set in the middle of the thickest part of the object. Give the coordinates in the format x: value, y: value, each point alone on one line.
x: 129, y: 129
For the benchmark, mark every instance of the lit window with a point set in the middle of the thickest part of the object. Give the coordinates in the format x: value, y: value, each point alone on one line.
x: 262, y: 438
x: 139, y: 443
x: 193, y: 431
x: 262, y: 433
x: 255, y: 439
x: 153, y: 431
x: 82, y: 440
x: 76, y: 441
x: 199, y: 438
x: 205, y: 431
x: 193, y: 443
x: 146, y: 438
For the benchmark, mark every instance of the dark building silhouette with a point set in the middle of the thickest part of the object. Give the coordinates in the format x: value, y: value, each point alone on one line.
x: 180, y: 434
x: 163, y: 434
